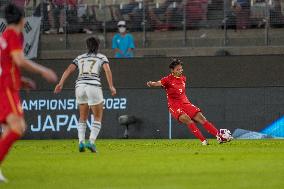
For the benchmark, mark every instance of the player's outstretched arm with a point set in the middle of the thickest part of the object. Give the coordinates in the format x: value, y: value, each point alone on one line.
x: 154, y: 84
x: 69, y: 70
x: 109, y: 79
x: 48, y: 74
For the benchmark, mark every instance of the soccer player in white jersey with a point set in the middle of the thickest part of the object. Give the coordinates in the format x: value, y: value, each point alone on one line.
x: 88, y: 90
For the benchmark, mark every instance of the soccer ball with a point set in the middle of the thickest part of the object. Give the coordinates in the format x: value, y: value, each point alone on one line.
x: 224, y: 136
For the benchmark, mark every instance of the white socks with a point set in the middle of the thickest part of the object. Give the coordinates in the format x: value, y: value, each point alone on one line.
x: 95, y: 129
x: 82, y: 131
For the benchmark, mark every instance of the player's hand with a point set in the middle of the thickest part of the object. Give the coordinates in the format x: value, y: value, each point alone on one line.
x: 49, y: 75
x: 112, y: 91
x: 28, y: 84
x: 150, y: 83
x: 58, y: 88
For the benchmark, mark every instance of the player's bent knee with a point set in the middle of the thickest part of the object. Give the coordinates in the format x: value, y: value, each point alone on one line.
x: 185, y: 119
x: 200, y: 118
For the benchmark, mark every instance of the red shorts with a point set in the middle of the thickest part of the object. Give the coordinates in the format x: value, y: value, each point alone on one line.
x: 178, y: 109
x: 10, y: 103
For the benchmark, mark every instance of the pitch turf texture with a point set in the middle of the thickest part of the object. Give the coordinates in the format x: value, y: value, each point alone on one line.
x: 149, y: 164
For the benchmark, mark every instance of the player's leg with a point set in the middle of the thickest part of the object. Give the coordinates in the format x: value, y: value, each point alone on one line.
x: 15, y: 128
x: 96, y: 125
x: 12, y: 116
x: 84, y: 112
x: 200, y: 118
x: 82, y: 100
x: 95, y: 101
x: 4, y: 130
x: 193, y: 128
x: 195, y: 113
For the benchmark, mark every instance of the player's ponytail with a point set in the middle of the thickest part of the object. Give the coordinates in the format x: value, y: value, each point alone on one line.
x: 93, y: 45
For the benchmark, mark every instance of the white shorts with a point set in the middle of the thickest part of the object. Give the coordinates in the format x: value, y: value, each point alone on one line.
x: 89, y: 94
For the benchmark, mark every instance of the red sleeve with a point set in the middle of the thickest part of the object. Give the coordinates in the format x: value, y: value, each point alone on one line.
x: 15, y: 42
x: 165, y: 81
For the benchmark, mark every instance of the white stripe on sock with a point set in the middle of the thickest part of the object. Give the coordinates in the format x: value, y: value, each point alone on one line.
x: 95, y: 129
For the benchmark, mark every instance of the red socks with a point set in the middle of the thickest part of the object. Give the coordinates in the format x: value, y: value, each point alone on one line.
x: 7, y: 142
x: 196, y: 132
x: 210, y: 128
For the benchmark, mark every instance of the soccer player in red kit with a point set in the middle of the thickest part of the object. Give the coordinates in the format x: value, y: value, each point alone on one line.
x: 179, y: 105
x: 12, y: 60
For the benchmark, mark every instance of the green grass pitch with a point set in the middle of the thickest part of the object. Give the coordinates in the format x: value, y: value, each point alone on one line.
x: 146, y: 164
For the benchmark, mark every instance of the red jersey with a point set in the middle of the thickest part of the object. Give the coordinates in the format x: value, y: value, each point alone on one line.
x: 175, y: 88
x: 10, y: 76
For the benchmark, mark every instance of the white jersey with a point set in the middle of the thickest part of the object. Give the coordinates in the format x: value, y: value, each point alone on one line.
x: 89, y: 66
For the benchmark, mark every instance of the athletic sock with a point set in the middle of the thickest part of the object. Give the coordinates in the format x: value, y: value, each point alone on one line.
x: 7, y: 142
x: 82, y: 131
x: 196, y: 132
x: 210, y: 128
x: 95, y: 129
